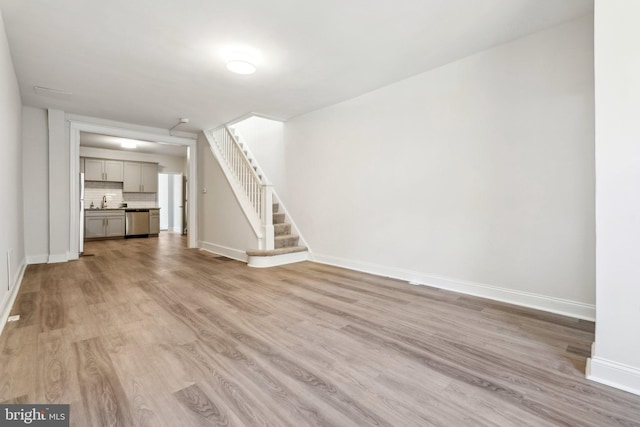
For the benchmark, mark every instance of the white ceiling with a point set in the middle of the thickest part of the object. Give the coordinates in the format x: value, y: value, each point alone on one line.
x: 115, y: 143
x: 151, y: 62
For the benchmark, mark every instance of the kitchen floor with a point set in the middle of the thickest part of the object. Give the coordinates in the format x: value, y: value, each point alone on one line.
x: 149, y: 333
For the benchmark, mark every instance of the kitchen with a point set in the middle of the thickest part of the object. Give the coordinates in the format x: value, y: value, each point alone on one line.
x: 119, y: 187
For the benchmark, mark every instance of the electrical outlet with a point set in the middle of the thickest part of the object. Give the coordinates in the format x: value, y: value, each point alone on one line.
x: 204, y: 190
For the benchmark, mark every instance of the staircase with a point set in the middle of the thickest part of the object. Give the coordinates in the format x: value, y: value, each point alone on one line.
x: 284, y: 241
x: 277, y: 239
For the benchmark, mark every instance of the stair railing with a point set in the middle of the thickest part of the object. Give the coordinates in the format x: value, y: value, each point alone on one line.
x: 257, y: 193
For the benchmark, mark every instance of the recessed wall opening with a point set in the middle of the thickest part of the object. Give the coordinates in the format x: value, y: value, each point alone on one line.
x: 169, y: 155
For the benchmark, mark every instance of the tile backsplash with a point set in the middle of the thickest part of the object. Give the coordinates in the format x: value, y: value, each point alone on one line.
x: 141, y: 200
x: 95, y: 190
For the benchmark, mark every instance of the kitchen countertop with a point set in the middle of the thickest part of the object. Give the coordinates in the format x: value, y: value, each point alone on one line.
x: 118, y: 209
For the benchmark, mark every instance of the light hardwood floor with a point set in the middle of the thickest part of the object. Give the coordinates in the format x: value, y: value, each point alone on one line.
x: 149, y: 333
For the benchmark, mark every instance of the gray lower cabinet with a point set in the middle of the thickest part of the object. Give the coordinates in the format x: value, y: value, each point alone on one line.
x: 103, y: 224
x: 154, y: 221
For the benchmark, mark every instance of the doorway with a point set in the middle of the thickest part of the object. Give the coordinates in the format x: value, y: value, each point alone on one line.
x: 171, y: 200
x: 78, y: 125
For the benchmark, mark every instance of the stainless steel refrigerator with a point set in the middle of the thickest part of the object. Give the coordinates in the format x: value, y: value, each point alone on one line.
x: 81, y: 222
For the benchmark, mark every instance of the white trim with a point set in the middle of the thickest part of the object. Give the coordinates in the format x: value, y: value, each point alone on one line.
x: 527, y: 299
x: 275, y: 260
x: 248, y: 116
x: 10, y: 297
x: 223, y: 250
x: 56, y: 258
x: 74, y: 190
x: 84, y: 124
x: 614, y: 374
x: 37, y: 259
x: 130, y: 126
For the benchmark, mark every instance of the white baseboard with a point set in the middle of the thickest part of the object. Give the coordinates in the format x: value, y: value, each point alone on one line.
x: 614, y: 374
x: 37, y: 259
x: 224, y: 251
x: 273, y: 261
x: 10, y: 297
x: 541, y: 302
x: 58, y: 258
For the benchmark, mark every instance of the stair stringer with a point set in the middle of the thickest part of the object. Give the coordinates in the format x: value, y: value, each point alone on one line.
x: 294, y: 228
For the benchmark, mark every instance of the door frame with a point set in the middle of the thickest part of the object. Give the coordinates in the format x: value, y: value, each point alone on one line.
x: 77, y: 125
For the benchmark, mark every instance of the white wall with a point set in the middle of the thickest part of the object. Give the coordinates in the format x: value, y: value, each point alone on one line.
x: 169, y: 200
x: 176, y: 202
x: 166, y: 163
x: 35, y: 174
x: 163, y: 200
x: 12, y: 254
x: 223, y: 227
x: 477, y: 176
x: 265, y: 140
x: 616, y: 359
x: 59, y: 186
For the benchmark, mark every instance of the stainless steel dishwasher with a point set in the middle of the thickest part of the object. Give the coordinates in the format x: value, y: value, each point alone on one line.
x: 137, y: 222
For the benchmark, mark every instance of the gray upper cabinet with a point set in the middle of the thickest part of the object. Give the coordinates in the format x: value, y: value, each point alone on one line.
x: 103, y: 170
x: 149, y: 177
x: 140, y: 177
x: 114, y: 170
x: 93, y: 170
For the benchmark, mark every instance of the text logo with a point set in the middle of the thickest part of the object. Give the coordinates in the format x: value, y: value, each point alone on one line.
x: 34, y: 415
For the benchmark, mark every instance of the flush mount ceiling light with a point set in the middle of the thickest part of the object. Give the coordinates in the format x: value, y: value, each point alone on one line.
x: 129, y: 144
x: 241, y: 64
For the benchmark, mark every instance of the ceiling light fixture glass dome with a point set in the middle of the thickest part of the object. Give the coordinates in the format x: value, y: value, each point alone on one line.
x: 129, y: 144
x: 241, y: 64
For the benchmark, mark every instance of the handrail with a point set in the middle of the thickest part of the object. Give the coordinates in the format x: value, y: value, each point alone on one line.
x: 241, y: 168
x: 258, y: 193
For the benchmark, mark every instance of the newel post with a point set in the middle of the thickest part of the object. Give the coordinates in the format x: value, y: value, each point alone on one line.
x: 267, y: 216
